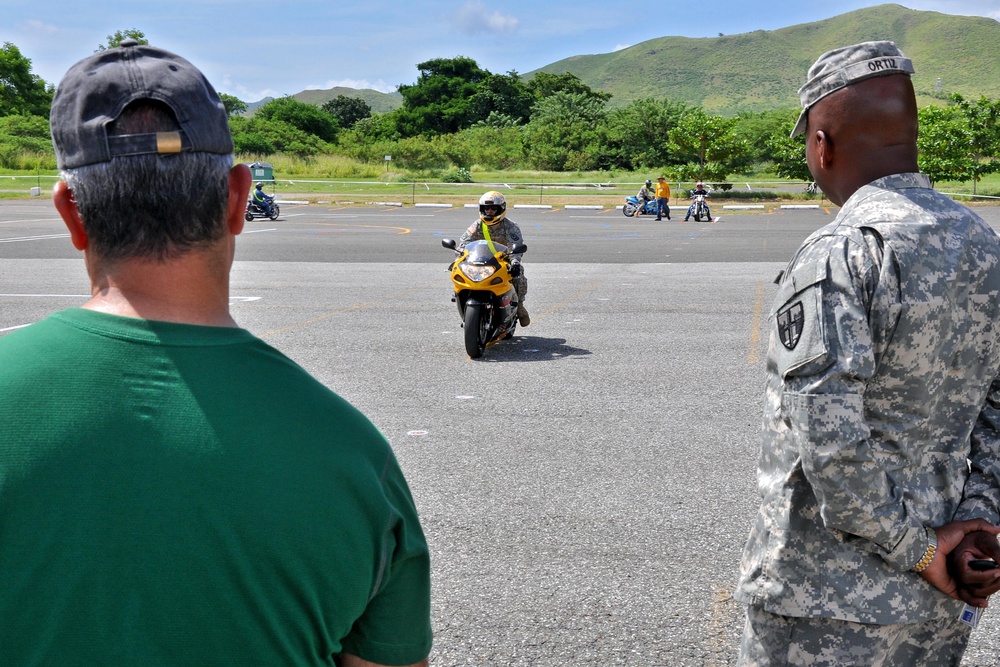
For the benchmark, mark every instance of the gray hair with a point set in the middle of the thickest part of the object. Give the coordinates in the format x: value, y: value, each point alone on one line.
x: 151, y: 206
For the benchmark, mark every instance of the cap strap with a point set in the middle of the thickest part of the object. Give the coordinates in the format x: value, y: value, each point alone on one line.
x: 162, y: 143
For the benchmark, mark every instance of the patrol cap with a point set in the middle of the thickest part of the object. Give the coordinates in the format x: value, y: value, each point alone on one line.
x: 95, y: 90
x: 845, y: 66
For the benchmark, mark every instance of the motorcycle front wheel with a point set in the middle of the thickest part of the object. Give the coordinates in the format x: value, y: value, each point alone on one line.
x: 628, y: 210
x: 476, y: 330
x: 274, y: 211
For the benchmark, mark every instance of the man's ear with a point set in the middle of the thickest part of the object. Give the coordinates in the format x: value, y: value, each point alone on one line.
x: 62, y: 197
x: 824, y: 149
x: 239, y: 188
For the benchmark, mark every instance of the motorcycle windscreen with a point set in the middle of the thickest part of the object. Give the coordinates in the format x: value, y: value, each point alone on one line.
x: 480, y: 253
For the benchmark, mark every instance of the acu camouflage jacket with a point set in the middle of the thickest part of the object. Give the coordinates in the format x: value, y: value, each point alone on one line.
x: 882, y: 407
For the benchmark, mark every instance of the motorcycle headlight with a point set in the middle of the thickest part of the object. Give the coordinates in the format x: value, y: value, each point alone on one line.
x: 477, y: 272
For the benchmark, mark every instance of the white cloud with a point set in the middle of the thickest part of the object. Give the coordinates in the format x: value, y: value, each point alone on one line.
x: 473, y: 17
x: 619, y: 47
x: 36, y: 26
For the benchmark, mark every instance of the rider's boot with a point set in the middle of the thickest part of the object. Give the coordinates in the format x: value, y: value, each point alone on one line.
x: 522, y: 315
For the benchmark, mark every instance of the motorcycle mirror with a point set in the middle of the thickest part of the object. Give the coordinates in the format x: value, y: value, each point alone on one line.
x: 518, y: 249
x: 448, y: 243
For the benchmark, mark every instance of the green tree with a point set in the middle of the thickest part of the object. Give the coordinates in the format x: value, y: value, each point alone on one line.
x: 983, y: 121
x: 504, y: 95
x: 544, y: 85
x: 943, y: 144
x: 707, y: 147
x: 757, y: 128
x: 306, y: 117
x: 440, y: 102
x: 347, y: 110
x: 787, y: 155
x: 638, y: 136
x: 564, y: 133
x: 120, y: 35
x: 21, y: 92
x: 265, y: 136
x: 234, y: 105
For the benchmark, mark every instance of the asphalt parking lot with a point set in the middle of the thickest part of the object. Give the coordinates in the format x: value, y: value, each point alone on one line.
x: 587, y: 487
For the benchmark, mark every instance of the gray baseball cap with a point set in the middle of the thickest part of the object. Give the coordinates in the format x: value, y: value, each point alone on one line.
x: 845, y: 66
x: 95, y: 90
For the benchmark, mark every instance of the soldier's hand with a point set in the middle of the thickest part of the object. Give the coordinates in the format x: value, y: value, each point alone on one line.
x: 975, y: 586
x: 949, y: 536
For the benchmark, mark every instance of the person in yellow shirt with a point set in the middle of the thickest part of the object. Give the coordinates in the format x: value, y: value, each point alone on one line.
x: 662, y: 198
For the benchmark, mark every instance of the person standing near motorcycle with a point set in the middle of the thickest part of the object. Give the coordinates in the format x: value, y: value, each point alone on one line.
x: 699, y: 190
x: 644, y: 196
x: 494, y: 226
x: 662, y: 198
x: 261, y: 199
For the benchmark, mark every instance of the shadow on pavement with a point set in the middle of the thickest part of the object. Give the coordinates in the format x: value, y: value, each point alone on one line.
x: 532, y: 348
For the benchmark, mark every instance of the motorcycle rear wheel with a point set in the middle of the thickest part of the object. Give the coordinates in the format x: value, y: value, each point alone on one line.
x: 248, y: 216
x: 476, y: 330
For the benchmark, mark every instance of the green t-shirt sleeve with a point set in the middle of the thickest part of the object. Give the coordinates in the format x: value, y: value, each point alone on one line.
x: 395, y: 628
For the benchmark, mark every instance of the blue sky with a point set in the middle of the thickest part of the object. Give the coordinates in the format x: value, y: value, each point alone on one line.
x: 253, y: 49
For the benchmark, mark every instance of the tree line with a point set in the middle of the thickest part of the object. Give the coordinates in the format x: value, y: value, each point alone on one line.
x: 457, y: 116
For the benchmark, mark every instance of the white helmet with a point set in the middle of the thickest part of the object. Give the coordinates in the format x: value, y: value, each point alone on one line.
x: 496, y: 204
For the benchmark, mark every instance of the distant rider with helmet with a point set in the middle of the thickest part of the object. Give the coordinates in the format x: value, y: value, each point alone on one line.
x: 699, y: 190
x: 494, y: 225
x: 644, y: 196
x: 262, y: 200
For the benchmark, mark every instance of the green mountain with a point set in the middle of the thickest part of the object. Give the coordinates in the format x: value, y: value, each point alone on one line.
x: 379, y: 102
x: 762, y: 70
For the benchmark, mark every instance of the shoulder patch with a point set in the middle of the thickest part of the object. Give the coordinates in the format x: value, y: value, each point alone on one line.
x: 790, y: 321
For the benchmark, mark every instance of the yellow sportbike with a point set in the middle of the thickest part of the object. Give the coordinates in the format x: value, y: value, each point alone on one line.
x: 487, y: 301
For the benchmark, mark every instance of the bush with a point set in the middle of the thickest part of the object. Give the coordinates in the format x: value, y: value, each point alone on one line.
x: 460, y: 175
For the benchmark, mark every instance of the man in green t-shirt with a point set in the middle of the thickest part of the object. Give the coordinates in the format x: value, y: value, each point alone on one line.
x: 152, y: 510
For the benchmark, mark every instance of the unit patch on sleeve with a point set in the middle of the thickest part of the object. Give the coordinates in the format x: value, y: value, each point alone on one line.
x: 790, y: 323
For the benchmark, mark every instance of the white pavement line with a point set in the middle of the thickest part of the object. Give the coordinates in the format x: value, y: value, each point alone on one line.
x: 258, y: 231
x: 49, y: 296
x: 17, y: 239
x: 432, y: 205
x: 800, y: 206
x: 743, y: 207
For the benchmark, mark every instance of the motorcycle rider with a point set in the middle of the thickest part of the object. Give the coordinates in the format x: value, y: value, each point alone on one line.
x: 644, y: 196
x: 699, y: 190
x: 494, y: 226
x: 262, y: 200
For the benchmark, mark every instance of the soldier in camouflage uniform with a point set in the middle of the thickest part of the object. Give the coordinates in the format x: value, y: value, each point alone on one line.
x: 880, y: 462
x: 494, y: 225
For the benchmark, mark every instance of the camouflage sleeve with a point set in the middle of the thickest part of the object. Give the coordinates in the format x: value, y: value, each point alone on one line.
x: 513, y: 236
x: 471, y: 234
x: 826, y: 353
x: 981, y: 498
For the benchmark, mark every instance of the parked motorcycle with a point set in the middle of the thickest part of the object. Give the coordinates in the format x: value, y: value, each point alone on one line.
x: 700, y: 209
x: 487, y: 301
x: 632, y: 203
x: 255, y: 211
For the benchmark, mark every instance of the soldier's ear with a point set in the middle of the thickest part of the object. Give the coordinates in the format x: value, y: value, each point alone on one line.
x: 824, y: 149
